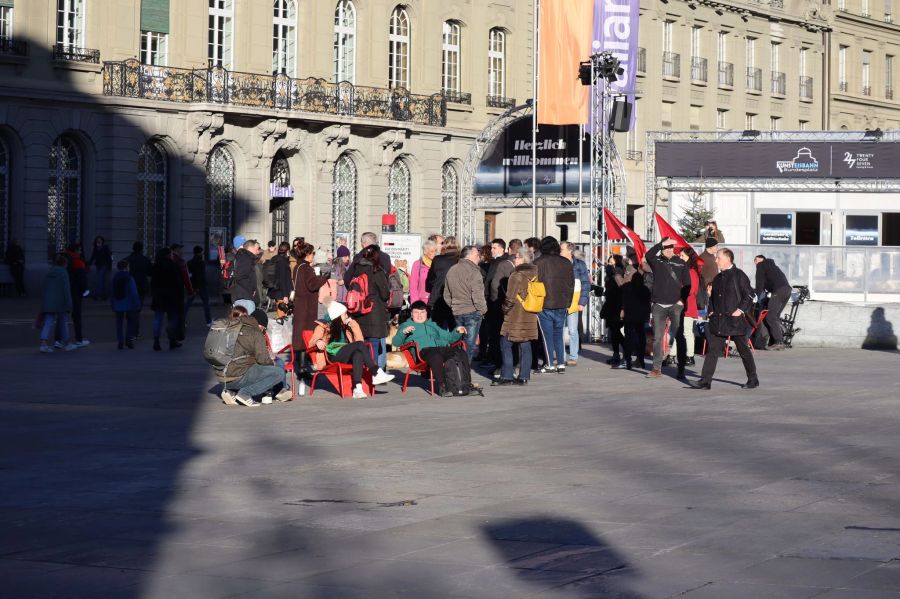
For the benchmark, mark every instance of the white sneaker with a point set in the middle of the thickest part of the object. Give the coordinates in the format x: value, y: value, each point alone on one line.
x: 46, y: 348
x: 265, y: 399
x: 358, y: 392
x: 82, y: 343
x: 72, y: 347
x: 284, y: 395
x: 58, y: 345
x: 228, y: 397
x: 246, y: 401
x: 381, y: 377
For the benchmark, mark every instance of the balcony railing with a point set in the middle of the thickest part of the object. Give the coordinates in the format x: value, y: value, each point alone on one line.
x: 776, y: 3
x: 642, y: 60
x: 457, y: 97
x: 634, y: 155
x: 500, y: 102
x: 13, y: 47
x: 806, y: 88
x: 843, y: 86
x: 754, y: 79
x: 698, y: 69
x: 74, y: 54
x: 726, y: 74
x: 867, y: 90
x: 671, y: 65
x: 888, y: 93
x: 131, y: 79
x: 779, y: 83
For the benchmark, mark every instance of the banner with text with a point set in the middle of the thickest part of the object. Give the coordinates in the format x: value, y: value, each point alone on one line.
x: 616, y: 31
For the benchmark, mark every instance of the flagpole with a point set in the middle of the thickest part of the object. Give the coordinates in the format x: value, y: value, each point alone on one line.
x: 535, y: 65
x: 580, y: 176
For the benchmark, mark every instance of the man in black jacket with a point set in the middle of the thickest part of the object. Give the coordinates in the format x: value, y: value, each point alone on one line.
x: 671, y: 286
x: 556, y: 273
x: 245, y: 284
x: 731, y: 299
x: 771, y: 278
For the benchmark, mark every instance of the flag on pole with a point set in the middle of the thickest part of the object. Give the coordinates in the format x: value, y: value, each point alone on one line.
x: 565, y: 41
x: 616, y: 230
x: 666, y: 230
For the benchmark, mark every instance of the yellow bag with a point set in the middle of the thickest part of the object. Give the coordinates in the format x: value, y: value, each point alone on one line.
x: 534, y: 296
x: 575, y: 297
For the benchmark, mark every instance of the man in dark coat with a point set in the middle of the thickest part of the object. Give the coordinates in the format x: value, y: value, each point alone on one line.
x: 671, y: 287
x: 731, y: 299
x: 771, y: 278
x: 245, y: 282
x: 558, y: 277
x: 366, y: 239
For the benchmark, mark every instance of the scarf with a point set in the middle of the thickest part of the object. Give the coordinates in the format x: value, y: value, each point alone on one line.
x: 426, y: 262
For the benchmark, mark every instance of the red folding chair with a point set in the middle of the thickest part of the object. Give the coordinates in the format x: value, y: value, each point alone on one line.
x: 340, y: 375
x: 419, y: 366
x: 289, y: 368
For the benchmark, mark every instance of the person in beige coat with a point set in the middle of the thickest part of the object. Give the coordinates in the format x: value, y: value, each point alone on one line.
x: 464, y: 293
x: 519, y: 327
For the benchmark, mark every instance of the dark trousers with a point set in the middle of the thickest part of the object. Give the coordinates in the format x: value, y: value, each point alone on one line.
x: 681, y: 343
x: 777, y: 302
x: 716, y: 346
x: 634, y: 341
x: 509, y: 359
x: 126, y: 326
x: 203, y: 294
x: 436, y: 357
x: 493, y: 322
x: 357, y: 354
x: 615, y: 335
x: 18, y: 274
x: 661, y: 314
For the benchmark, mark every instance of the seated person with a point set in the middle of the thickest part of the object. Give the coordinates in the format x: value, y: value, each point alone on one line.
x: 340, y: 337
x: 251, y: 370
x: 433, y: 341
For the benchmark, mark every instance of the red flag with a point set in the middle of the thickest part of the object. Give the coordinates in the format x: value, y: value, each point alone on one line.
x: 666, y: 230
x: 616, y: 229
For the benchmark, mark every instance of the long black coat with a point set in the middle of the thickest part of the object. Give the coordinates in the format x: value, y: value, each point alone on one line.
x: 375, y: 323
x: 731, y: 291
x: 283, y: 283
x: 167, y: 286
x: 612, y: 305
x: 306, y: 301
x: 635, y: 298
x: 245, y: 280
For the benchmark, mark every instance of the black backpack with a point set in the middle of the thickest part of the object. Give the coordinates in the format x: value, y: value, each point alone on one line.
x: 269, y: 277
x: 457, y: 375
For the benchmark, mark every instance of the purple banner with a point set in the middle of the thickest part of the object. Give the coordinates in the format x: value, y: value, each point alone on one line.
x: 616, y: 31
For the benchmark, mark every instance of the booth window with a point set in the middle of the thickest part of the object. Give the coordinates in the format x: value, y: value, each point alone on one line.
x: 890, y: 228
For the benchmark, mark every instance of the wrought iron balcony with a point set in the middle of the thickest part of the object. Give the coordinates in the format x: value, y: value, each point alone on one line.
x: 806, y: 88
x: 457, y: 97
x: 754, y: 79
x: 888, y: 93
x: 698, y: 69
x: 68, y: 53
x: 779, y: 83
x: 843, y: 86
x: 642, y: 60
x: 500, y: 102
x: 215, y: 85
x: 636, y: 155
x: 13, y: 47
x: 867, y: 90
x: 726, y: 74
x: 776, y: 3
x: 671, y: 65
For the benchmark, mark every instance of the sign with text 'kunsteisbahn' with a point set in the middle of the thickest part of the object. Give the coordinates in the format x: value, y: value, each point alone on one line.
x: 782, y: 160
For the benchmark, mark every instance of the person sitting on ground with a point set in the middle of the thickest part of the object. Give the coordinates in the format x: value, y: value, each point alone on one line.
x: 433, y: 341
x: 341, y: 338
x: 251, y: 371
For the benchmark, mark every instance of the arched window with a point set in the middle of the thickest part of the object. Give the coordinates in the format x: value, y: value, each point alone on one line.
x: 152, y: 197
x: 449, y: 199
x: 284, y: 38
x: 64, y: 195
x: 343, y: 203
x: 345, y: 42
x: 281, y: 194
x: 450, y: 57
x: 398, y: 53
x: 220, y: 190
x: 70, y: 23
x: 497, y: 63
x: 398, y: 194
x: 4, y: 195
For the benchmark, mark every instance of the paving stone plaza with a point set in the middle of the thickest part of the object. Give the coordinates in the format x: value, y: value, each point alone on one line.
x: 124, y: 476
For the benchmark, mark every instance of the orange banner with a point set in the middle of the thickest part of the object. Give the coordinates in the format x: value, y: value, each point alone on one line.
x: 565, y: 41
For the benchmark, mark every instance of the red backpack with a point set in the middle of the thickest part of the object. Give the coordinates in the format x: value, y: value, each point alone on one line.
x: 357, y: 298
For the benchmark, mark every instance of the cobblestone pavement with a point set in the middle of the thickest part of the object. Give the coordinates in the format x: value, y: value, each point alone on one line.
x: 124, y: 476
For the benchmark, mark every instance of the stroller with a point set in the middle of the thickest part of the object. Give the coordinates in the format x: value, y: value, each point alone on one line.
x: 799, y: 295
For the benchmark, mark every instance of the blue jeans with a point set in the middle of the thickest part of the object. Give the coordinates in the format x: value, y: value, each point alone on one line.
x: 126, y: 326
x: 101, y: 283
x: 204, y: 297
x: 472, y: 322
x: 552, y: 323
x: 258, y: 380
x: 50, y: 320
x: 380, y: 351
x: 572, y: 324
x: 171, y: 324
x: 506, y: 349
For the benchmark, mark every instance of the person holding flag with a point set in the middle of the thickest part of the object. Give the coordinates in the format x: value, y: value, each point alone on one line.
x: 671, y: 286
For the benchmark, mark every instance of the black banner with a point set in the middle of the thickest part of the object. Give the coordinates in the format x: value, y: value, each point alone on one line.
x: 776, y: 229
x: 783, y: 160
x: 861, y: 229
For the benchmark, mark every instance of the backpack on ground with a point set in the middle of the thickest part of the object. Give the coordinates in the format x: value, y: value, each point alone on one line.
x: 218, y: 350
x: 534, y: 296
x: 228, y: 272
x: 357, y: 299
x: 457, y: 375
x: 396, y: 298
x: 269, y: 278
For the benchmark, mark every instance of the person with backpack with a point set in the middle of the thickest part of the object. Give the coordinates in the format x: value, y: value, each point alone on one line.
x: 556, y: 273
x: 249, y: 371
x: 373, y: 317
x: 449, y: 365
x: 396, y: 295
x: 197, y: 269
x: 435, y: 280
x: 167, y: 298
x: 520, y: 327
x: 56, y: 303
x: 464, y: 294
x: 306, y: 285
x: 126, y: 304
x: 671, y: 285
x: 367, y: 240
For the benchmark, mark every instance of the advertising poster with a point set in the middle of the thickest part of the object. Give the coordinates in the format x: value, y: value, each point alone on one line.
x: 861, y: 229
x: 402, y: 247
x: 216, y: 240
x: 776, y: 229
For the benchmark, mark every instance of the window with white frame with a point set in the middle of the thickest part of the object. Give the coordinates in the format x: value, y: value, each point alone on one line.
x: 842, y: 67
x: 668, y: 32
x: 154, y: 48
x: 750, y: 121
x: 450, y: 57
x: 751, y: 52
x: 776, y: 57
x: 497, y: 63
x: 345, y: 42
x: 696, y: 30
x: 284, y: 38
x: 398, y: 49
x: 722, y: 46
x: 70, y: 23
x: 221, y: 33
x: 842, y: 5
x: 802, y: 125
x: 721, y: 119
x: 889, y: 11
x: 399, y: 183
x: 774, y: 123
x: 866, y: 72
x: 6, y: 23
x: 864, y: 8
x: 889, y: 74
x: 802, y: 61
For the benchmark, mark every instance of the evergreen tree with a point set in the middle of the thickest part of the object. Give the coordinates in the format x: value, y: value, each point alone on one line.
x: 693, y: 222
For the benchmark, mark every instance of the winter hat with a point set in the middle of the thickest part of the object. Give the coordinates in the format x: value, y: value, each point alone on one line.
x: 261, y: 317
x: 238, y: 241
x: 247, y: 305
x: 343, y: 251
x: 711, y: 242
x: 335, y: 309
